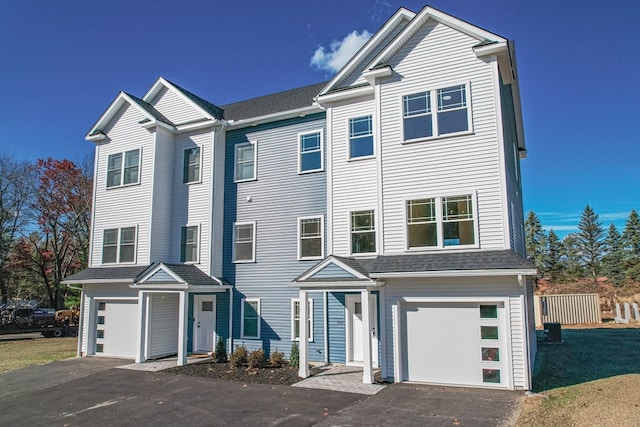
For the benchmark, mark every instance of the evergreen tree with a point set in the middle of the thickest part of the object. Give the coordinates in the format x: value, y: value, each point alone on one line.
x: 553, y: 256
x: 589, y: 238
x: 613, y: 260
x: 572, y: 257
x: 631, y: 246
x: 535, y: 241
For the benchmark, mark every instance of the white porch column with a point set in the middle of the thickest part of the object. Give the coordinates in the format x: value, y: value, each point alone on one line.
x: 182, y: 328
x: 303, y: 344
x: 367, y: 369
x: 142, y: 327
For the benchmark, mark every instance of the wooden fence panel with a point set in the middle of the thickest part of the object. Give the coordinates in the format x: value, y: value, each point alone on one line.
x: 567, y: 309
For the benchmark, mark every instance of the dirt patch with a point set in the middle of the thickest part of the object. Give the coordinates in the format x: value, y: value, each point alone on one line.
x: 283, y: 375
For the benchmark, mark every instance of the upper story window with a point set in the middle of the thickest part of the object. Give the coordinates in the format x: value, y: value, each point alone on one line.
x: 441, y: 222
x: 310, y: 238
x: 360, y: 137
x: 436, y: 113
x: 189, y: 244
x: 363, y: 232
x: 244, y: 248
x: 119, y: 245
x: 191, y: 169
x: 245, y: 162
x: 119, y: 174
x: 310, y: 152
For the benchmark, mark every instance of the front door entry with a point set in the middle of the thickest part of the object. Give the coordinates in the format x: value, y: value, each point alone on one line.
x: 204, y: 323
x: 355, y: 333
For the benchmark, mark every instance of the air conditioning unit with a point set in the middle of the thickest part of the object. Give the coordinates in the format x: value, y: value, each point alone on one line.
x: 552, y: 332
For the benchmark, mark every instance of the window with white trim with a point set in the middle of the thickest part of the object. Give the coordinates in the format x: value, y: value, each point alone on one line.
x: 189, y: 243
x: 250, y: 326
x: 360, y: 137
x: 295, y: 319
x: 191, y: 167
x: 119, y: 174
x: 436, y: 112
x: 363, y: 232
x: 245, y: 162
x: 119, y: 245
x: 440, y: 222
x: 311, y: 238
x: 310, y: 156
x: 244, y: 239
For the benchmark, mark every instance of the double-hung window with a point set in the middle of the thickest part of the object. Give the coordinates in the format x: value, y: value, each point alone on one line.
x: 310, y: 152
x: 127, y: 173
x: 244, y: 239
x: 363, y: 232
x: 250, y: 318
x: 295, y: 319
x: 310, y: 241
x: 119, y: 245
x: 191, y: 169
x: 441, y: 222
x: 360, y: 137
x: 189, y: 244
x: 436, y: 112
x: 245, y: 162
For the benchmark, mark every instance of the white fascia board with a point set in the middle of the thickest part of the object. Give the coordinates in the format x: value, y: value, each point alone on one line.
x: 163, y: 82
x: 345, y: 94
x: 371, y: 75
x: 456, y: 273
x: 282, y: 115
x: 199, y: 125
x: 374, y: 41
x: 344, y: 286
x: 517, y: 106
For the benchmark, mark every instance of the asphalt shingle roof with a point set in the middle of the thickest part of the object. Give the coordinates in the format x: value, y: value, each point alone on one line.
x: 106, y: 273
x: 274, y: 103
x: 150, y: 109
x: 210, y: 108
x: 193, y: 275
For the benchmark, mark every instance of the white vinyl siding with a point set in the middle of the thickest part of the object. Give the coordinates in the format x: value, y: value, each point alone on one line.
x: 160, y: 244
x: 174, y: 107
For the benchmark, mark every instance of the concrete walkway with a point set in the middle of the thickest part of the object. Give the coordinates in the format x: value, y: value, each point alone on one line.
x: 347, y: 379
x: 162, y: 364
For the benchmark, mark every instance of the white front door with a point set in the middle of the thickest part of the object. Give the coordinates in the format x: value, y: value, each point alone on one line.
x: 204, y: 324
x: 355, y: 333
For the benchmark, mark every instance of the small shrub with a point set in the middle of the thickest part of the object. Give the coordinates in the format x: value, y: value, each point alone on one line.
x: 256, y: 359
x: 294, y: 356
x: 220, y: 355
x: 239, y: 356
x: 276, y: 358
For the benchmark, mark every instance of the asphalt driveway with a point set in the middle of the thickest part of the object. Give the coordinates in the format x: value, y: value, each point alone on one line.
x: 90, y: 391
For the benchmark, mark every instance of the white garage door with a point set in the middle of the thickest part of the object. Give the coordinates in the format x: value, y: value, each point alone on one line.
x: 453, y: 343
x: 116, y: 328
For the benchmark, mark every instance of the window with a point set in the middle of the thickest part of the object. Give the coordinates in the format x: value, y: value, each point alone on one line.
x: 245, y: 162
x: 363, y: 232
x: 310, y: 147
x: 189, y: 244
x: 449, y: 115
x: 295, y: 319
x: 244, y: 242
x: 441, y: 222
x: 311, y: 241
x: 360, y: 137
x: 119, y: 245
x: 250, y: 318
x: 191, y: 170
x: 127, y: 174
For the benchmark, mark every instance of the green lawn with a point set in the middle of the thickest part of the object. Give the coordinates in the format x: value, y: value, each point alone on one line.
x: 15, y: 354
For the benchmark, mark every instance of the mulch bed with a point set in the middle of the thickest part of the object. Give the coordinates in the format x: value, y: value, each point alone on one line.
x: 284, y: 375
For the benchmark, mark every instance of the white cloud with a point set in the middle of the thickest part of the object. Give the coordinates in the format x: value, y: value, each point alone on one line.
x: 339, y: 52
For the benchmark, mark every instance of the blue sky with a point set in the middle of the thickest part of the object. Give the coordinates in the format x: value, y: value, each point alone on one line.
x: 63, y: 61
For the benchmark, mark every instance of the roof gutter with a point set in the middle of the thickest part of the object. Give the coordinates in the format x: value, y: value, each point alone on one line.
x: 282, y: 115
x: 455, y: 273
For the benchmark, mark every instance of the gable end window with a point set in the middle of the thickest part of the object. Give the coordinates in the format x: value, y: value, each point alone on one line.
x: 360, y: 137
x: 363, y: 232
x: 250, y: 318
x: 119, y: 245
x: 245, y: 162
x: 310, y: 152
x: 119, y: 174
x: 189, y: 244
x: 441, y: 222
x: 310, y: 238
x: 191, y: 169
x: 244, y: 248
x: 436, y: 112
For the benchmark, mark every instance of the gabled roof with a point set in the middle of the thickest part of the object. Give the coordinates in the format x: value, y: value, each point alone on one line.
x: 346, y: 270
x: 293, y: 99
x: 151, y: 114
x: 207, y: 109
x: 180, y: 273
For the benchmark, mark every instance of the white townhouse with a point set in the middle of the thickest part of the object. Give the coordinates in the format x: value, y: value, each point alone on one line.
x: 383, y: 206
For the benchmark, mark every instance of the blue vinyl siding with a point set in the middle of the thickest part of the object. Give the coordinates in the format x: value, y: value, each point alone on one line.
x: 332, y: 271
x: 274, y: 201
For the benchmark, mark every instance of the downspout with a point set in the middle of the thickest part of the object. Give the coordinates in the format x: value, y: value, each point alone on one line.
x: 80, y: 320
x: 325, y: 304
x: 230, y: 350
